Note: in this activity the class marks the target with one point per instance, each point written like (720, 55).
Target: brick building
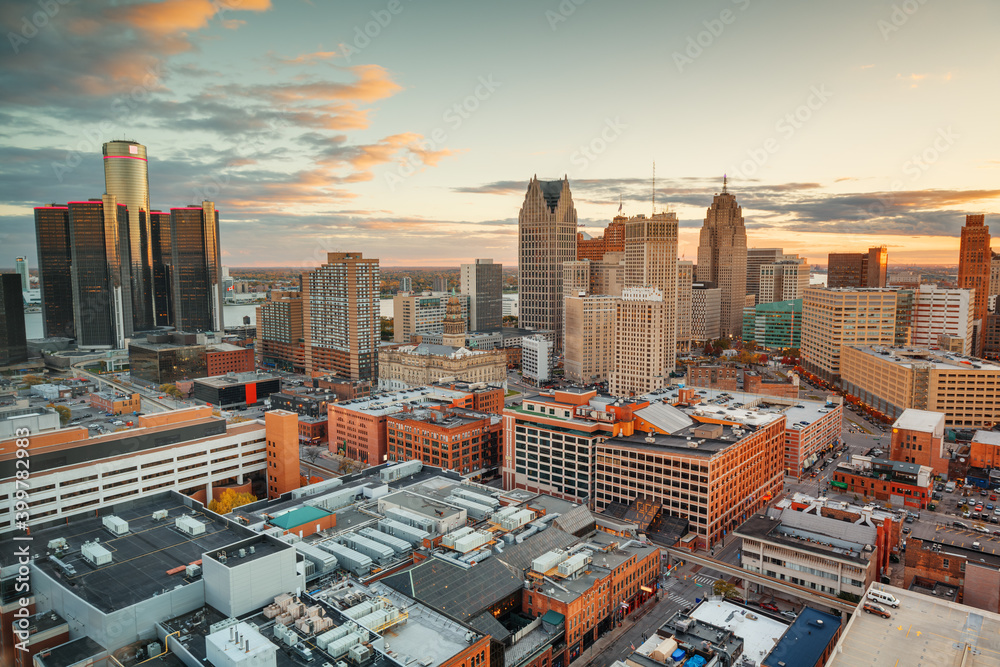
(755, 383)
(441, 438)
(713, 377)
(116, 403)
(886, 480)
(225, 358)
(280, 335)
(918, 437)
(955, 562)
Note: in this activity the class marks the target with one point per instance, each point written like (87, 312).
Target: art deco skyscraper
(651, 261)
(546, 230)
(974, 270)
(643, 346)
(101, 296)
(126, 178)
(340, 310)
(722, 258)
(196, 268)
(54, 278)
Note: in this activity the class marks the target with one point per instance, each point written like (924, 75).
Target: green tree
(726, 589)
(386, 328)
(850, 597)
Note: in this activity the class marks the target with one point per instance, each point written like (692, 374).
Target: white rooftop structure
(987, 437)
(758, 632)
(921, 420)
(665, 416)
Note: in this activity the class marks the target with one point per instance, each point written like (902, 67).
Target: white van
(883, 598)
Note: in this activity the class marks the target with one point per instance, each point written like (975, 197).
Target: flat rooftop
(737, 405)
(234, 379)
(392, 402)
(681, 441)
(911, 357)
(922, 631)
(140, 558)
(815, 534)
(920, 420)
(759, 632)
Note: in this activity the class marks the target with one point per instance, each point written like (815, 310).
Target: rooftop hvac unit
(450, 539)
(192, 571)
(359, 653)
(574, 564)
(96, 554)
(115, 525)
(189, 525)
(159, 515)
(57, 544)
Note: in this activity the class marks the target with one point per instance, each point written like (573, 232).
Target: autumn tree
(726, 589)
(171, 390)
(32, 380)
(229, 500)
(64, 414)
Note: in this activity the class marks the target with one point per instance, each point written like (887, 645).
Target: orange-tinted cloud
(178, 16)
(308, 58)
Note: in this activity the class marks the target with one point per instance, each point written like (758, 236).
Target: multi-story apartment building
(942, 312)
(546, 230)
(482, 281)
(685, 280)
(756, 258)
(722, 258)
(891, 380)
(537, 358)
(783, 280)
(904, 316)
(831, 549)
(774, 325)
(590, 337)
(833, 318)
(644, 347)
(858, 269)
(974, 262)
(418, 314)
(706, 312)
(713, 471)
(280, 332)
(340, 308)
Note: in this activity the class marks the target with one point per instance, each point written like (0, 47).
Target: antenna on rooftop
(654, 187)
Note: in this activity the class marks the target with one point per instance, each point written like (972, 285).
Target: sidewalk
(610, 638)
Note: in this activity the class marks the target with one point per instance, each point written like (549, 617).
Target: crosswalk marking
(673, 597)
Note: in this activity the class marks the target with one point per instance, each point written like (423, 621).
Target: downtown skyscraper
(126, 178)
(546, 230)
(55, 280)
(483, 282)
(974, 260)
(651, 261)
(722, 258)
(196, 268)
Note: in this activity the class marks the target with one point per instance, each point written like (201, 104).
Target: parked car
(981, 529)
(877, 609)
(768, 606)
(790, 615)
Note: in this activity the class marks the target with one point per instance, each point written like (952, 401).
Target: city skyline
(300, 141)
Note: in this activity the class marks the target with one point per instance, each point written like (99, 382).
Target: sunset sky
(408, 130)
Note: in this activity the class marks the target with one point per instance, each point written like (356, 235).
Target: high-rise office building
(706, 312)
(685, 278)
(995, 275)
(783, 280)
(576, 277)
(196, 268)
(163, 257)
(280, 337)
(756, 258)
(54, 277)
(722, 258)
(546, 229)
(422, 313)
(644, 348)
(13, 345)
(21, 268)
(126, 178)
(651, 261)
(607, 276)
(858, 269)
(974, 261)
(101, 294)
(482, 280)
(590, 337)
(613, 240)
(340, 309)
(833, 318)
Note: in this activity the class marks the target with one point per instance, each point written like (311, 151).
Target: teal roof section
(299, 516)
(553, 617)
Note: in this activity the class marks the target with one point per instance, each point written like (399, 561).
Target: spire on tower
(724, 180)
(654, 187)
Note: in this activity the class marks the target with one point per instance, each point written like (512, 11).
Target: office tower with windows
(55, 281)
(196, 268)
(858, 269)
(13, 345)
(163, 251)
(974, 261)
(722, 258)
(482, 281)
(651, 261)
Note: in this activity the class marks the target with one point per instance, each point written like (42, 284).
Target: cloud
(314, 58)
(178, 16)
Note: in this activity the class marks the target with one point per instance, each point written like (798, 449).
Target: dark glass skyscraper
(159, 227)
(13, 346)
(54, 279)
(102, 298)
(195, 268)
(126, 178)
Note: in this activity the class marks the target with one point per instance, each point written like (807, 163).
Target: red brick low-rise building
(885, 480)
(918, 437)
(755, 383)
(226, 358)
(116, 403)
(713, 377)
(439, 438)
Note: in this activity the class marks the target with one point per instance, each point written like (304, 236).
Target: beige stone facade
(706, 312)
(644, 350)
(894, 379)
(651, 262)
(784, 280)
(685, 278)
(417, 365)
(833, 318)
(590, 337)
(607, 276)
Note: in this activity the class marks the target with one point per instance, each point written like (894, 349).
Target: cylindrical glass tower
(126, 177)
